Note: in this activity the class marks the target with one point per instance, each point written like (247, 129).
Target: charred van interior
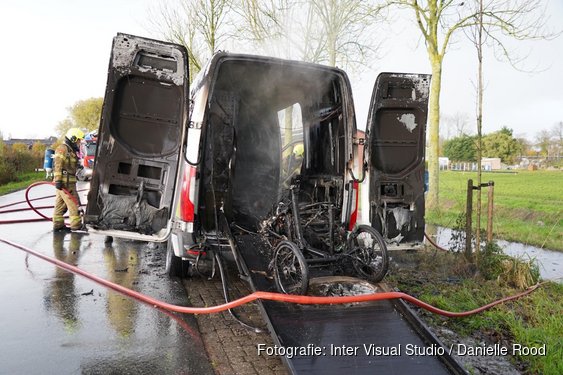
(270, 125)
(274, 164)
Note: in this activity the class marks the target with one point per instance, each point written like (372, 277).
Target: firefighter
(293, 164)
(66, 162)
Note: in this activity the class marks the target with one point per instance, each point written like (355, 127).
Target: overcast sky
(56, 52)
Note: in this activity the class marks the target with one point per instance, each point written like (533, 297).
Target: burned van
(260, 147)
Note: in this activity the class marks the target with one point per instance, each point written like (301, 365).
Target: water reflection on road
(122, 268)
(55, 322)
(60, 296)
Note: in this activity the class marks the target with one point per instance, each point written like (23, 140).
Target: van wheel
(173, 262)
(80, 175)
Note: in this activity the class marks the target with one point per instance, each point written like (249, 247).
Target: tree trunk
(432, 198)
(480, 89)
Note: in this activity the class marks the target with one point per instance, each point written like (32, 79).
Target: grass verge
(446, 281)
(527, 205)
(23, 181)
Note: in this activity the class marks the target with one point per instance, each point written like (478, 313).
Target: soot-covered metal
(268, 123)
(397, 129)
(140, 136)
(268, 147)
(276, 152)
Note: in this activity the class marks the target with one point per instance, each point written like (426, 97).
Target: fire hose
(434, 243)
(270, 296)
(259, 295)
(28, 200)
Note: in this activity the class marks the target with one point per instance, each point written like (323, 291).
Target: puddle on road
(54, 314)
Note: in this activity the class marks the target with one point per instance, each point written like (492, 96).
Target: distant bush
(19, 159)
(22, 158)
(7, 172)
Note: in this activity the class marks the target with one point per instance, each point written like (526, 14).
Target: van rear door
(140, 140)
(396, 147)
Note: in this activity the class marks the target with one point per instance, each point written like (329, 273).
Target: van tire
(173, 263)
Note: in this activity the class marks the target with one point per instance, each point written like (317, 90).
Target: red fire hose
(434, 243)
(46, 183)
(289, 298)
(31, 207)
(305, 300)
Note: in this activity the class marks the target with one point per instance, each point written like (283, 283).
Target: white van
(258, 144)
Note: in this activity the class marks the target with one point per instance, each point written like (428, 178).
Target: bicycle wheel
(291, 273)
(369, 253)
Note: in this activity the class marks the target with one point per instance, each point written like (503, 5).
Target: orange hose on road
(289, 298)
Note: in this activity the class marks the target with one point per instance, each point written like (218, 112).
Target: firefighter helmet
(298, 150)
(74, 134)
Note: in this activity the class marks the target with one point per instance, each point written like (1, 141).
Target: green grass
(528, 205)
(531, 321)
(23, 181)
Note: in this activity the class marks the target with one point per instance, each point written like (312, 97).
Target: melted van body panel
(397, 139)
(140, 139)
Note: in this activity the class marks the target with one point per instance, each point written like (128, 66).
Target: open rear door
(396, 147)
(140, 139)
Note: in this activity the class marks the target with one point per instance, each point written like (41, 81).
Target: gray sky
(56, 53)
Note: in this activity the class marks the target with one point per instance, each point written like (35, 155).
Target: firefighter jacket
(66, 164)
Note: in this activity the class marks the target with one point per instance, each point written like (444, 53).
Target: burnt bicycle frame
(287, 227)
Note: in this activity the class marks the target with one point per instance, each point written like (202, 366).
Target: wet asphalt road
(55, 322)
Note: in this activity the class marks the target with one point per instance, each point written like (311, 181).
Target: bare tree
(544, 142)
(282, 28)
(333, 32)
(202, 26)
(439, 20)
(456, 125)
(477, 35)
(346, 27)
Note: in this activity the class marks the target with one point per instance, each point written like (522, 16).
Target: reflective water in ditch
(550, 262)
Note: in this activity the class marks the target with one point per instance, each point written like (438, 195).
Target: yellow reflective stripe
(74, 219)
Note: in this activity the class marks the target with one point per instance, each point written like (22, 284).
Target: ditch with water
(550, 262)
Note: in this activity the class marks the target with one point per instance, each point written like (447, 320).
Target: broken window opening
(292, 148)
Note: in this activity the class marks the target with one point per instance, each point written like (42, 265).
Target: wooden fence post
(490, 211)
(468, 213)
